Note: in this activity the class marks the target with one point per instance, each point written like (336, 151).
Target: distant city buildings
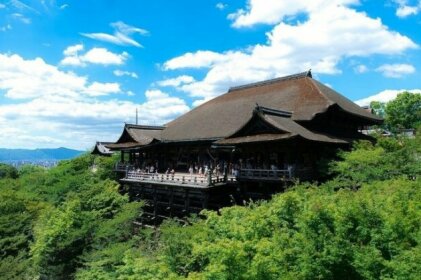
(42, 163)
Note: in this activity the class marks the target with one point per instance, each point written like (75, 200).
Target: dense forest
(363, 222)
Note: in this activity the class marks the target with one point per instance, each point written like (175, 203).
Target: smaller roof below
(134, 136)
(265, 137)
(281, 127)
(102, 149)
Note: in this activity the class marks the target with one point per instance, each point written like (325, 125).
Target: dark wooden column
(186, 201)
(205, 199)
(171, 201)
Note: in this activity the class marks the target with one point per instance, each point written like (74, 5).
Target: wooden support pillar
(141, 192)
(122, 156)
(186, 201)
(155, 206)
(171, 201)
(205, 199)
(210, 177)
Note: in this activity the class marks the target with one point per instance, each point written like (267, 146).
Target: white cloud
(199, 102)
(259, 12)
(21, 18)
(121, 36)
(331, 33)
(360, 69)
(73, 50)
(23, 79)
(384, 96)
(99, 89)
(64, 6)
(405, 9)
(199, 59)
(93, 56)
(120, 73)
(103, 56)
(19, 5)
(62, 108)
(395, 70)
(79, 123)
(175, 82)
(221, 6)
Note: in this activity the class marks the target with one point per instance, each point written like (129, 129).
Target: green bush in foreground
(306, 233)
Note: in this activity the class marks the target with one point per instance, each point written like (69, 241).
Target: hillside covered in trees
(364, 222)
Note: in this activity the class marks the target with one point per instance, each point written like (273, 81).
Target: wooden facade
(249, 143)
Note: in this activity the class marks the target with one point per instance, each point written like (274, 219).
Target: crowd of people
(216, 168)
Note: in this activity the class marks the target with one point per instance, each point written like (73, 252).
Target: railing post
(210, 178)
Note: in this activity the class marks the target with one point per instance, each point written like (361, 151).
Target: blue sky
(72, 72)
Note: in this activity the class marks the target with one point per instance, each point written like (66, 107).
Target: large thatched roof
(300, 94)
(288, 101)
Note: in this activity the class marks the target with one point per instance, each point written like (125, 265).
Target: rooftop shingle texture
(137, 136)
(144, 135)
(225, 114)
(287, 128)
(101, 149)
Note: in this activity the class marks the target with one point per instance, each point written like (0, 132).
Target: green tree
(8, 171)
(404, 111)
(378, 108)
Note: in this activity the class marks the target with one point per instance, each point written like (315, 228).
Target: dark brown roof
(254, 138)
(101, 149)
(136, 136)
(285, 128)
(225, 114)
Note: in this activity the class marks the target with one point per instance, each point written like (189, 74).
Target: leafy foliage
(404, 111)
(379, 108)
(388, 158)
(7, 171)
(71, 222)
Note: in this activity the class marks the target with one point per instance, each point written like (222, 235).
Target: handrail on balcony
(268, 174)
(180, 178)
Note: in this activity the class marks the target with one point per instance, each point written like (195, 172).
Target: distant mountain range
(37, 154)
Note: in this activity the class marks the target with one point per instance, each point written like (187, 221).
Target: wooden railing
(265, 174)
(180, 178)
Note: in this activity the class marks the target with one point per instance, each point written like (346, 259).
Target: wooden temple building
(246, 144)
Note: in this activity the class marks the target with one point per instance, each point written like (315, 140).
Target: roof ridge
(271, 81)
(139, 126)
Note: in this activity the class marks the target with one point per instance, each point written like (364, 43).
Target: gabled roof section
(101, 149)
(222, 116)
(346, 104)
(144, 133)
(137, 135)
(285, 128)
